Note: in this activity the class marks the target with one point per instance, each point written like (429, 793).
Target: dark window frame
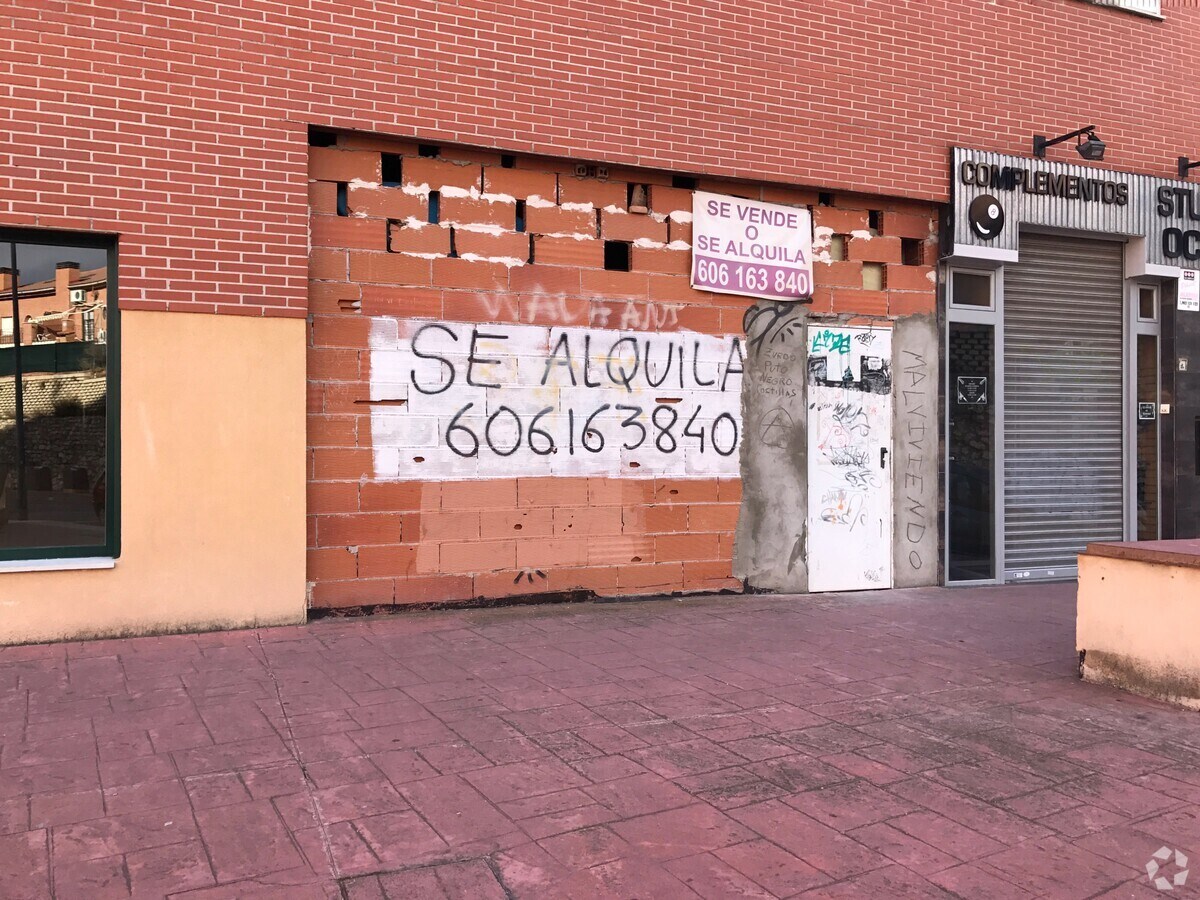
(111, 548)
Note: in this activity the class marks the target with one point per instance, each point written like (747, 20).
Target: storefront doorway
(1052, 380)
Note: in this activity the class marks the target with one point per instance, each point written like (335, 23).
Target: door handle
(883, 457)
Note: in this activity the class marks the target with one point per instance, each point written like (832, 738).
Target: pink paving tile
(90, 879)
(24, 866)
(451, 881)
(1051, 866)
(338, 848)
(145, 796)
(402, 766)
(623, 879)
(775, 869)
(14, 815)
(223, 789)
(163, 870)
(729, 788)
(638, 795)
(890, 882)
(849, 805)
(353, 801)
(681, 832)
(453, 757)
(586, 847)
(798, 772)
(902, 848)
(114, 835)
(1121, 797)
(973, 881)
(246, 840)
(1038, 804)
(817, 845)
(65, 808)
(946, 835)
(458, 812)
(501, 783)
(713, 879)
(861, 767)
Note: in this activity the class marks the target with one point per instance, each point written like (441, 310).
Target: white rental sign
(457, 400)
(751, 248)
(1189, 290)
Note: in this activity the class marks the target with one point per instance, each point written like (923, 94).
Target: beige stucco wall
(1140, 625)
(212, 488)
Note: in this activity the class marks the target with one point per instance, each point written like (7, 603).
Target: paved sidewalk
(907, 743)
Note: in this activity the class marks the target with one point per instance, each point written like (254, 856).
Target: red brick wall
(383, 542)
(181, 125)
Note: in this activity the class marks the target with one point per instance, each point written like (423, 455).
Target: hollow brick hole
(319, 137)
(837, 247)
(392, 169)
(429, 151)
(911, 251)
(874, 276)
(343, 198)
(873, 219)
(617, 255)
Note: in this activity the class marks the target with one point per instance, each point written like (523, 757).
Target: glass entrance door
(971, 502)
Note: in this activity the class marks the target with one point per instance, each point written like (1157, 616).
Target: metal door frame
(1131, 327)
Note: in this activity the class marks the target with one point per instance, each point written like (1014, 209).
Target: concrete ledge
(1138, 618)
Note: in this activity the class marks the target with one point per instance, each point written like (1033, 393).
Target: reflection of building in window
(63, 309)
(55, 423)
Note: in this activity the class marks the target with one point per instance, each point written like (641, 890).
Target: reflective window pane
(971, 289)
(1146, 304)
(53, 397)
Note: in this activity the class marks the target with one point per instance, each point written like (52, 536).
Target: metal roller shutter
(1063, 447)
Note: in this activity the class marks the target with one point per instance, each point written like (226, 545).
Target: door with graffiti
(849, 458)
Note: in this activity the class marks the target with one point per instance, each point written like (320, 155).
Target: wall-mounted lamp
(1092, 149)
(1185, 164)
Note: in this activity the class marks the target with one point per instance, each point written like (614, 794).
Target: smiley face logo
(986, 216)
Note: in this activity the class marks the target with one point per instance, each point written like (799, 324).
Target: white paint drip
(658, 217)
(681, 216)
(480, 227)
(422, 255)
(365, 185)
(861, 234)
(536, 201)
(416, 190)
(932, 276)
(648, 244)
(679, 245)
(509, 261)
(574, 235)
(822, 241)
(498, 198)
(610, 209)
(415, 223)
(577, 207)
(449, 190)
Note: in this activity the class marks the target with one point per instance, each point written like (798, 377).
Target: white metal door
(849, 458)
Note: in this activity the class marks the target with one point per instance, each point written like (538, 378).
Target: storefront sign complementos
(995, 194)
(751, 248)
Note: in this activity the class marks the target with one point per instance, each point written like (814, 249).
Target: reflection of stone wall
(59, 444)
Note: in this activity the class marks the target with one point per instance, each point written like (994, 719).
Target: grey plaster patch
(770, 549)
(916, 452)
